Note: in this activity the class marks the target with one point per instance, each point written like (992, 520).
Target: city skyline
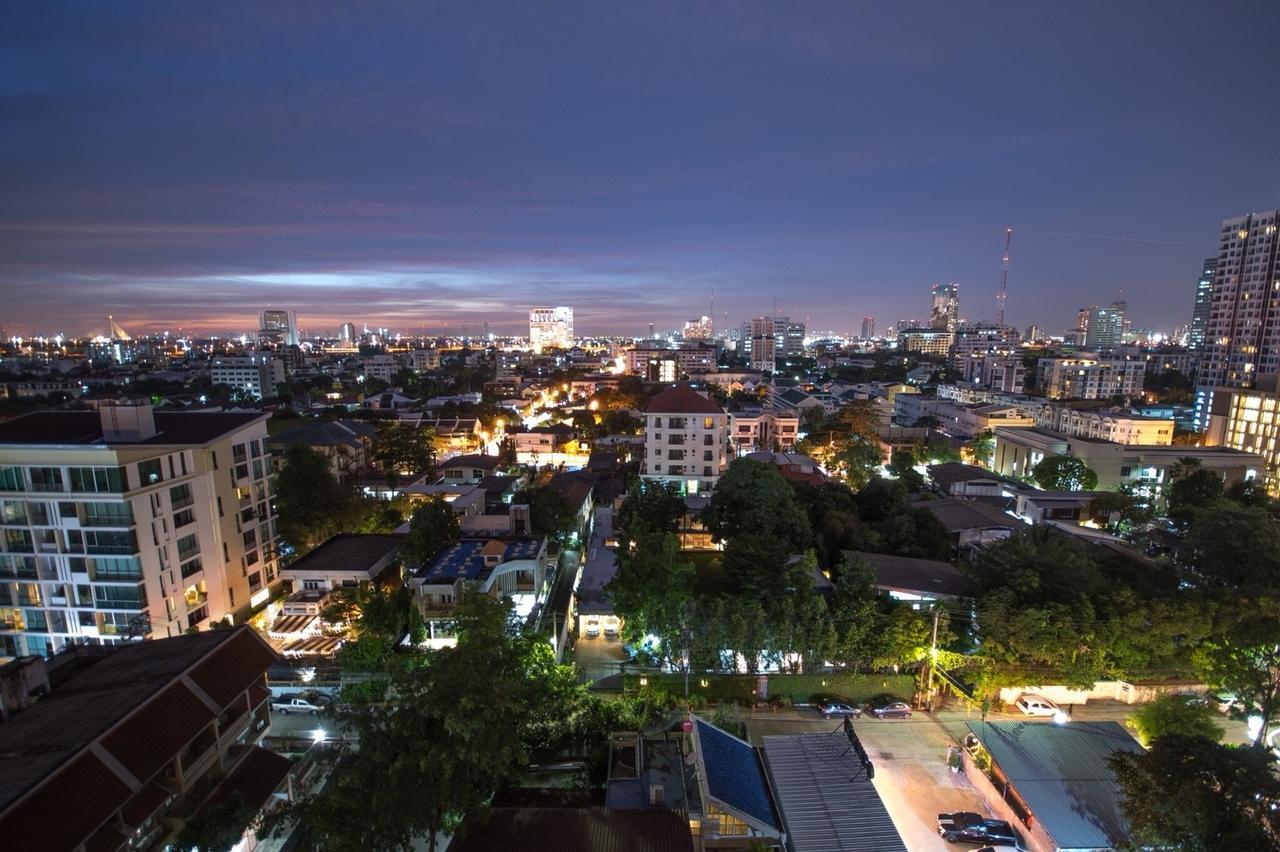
(454, 169)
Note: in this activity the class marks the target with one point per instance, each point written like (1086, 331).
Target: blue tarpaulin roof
(733, 774)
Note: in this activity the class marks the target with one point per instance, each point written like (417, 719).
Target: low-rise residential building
(955, 479)
(1147, 467)
(347, 560)
(686, 439)
(1115, 425)
(129, 745)
(762, 429)
(1056, 781)
(469, 469)
(1090, 377)
(126, 523)
(512, 566)
(346, 444)
(380, 367)
(906, 578)
(972, 523)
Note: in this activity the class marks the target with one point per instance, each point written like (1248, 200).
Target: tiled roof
(1061, 772)
(473, 460)
(733, 774)
(326, 434)
(949, 473)
(681, 399)
(957, 514)
(907, 574)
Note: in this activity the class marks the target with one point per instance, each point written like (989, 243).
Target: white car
(611, 629)
(1034, 705)
(285, 706)
(592, 629)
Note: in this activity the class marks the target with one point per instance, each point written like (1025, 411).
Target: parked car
(891, 710)
(592, 629)
(1000, 848)
(1227, 703)
(285, 706)
(836, 708)
(611, 629)
(1035, 705)
(969, 827)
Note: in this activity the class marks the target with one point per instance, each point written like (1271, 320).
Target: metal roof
(927, 576)
(1061, 772)
(828, 804)
(733, 774)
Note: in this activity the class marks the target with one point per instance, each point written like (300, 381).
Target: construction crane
(1004, 280)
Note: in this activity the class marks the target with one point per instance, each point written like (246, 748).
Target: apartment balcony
(234, 730)
(196, 762)
(195, 600)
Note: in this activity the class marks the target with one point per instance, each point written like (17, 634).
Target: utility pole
(926, 686)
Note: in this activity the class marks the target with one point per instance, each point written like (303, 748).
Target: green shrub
(852, 687)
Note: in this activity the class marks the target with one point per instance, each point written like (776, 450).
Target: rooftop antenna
(1004, 280)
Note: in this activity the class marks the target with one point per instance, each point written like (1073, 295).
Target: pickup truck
(285, 706)
(969, 827)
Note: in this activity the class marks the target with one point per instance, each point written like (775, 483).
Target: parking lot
(910, 763)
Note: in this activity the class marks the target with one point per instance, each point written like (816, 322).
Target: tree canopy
(1192, 794)
(1064, 473)
(432, 525)
(312, 504)
(754, 497)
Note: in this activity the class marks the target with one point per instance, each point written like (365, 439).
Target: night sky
(420, 165)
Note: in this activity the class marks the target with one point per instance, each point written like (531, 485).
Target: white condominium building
(685, 440)
(1090, 377)
(127, 524)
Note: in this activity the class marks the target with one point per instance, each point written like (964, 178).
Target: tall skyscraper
(788, 337)
(347, 332)
(1242, 334)
(868, 328)
(1203, 305)
(278, 327)
(945, 310)
(551, 328)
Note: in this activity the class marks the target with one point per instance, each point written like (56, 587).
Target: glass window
(11, 479)
(46, 479)
(188, 546)
(150, 472)
(97, 479)
(180, 496)
(13, 512)
(109, 542)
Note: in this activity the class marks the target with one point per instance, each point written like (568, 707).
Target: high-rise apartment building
(1104, 327)
(788, 338)
(1203, 306)
(760, 343)
(125, 523)
(868, 328)
(279, 327)
(551, 328)
(944, 312)
(685, 440)
(1242, 335)
(256, 375)
(347, 332)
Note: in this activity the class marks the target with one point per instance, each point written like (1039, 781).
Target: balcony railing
(234, 730)
(193, 769)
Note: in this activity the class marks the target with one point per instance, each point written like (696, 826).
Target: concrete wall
(1036, 839)
(1114, 690)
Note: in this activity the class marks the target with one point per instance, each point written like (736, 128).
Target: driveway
(910, 762)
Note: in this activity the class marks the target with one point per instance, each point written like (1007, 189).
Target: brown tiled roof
(82, 797)
(681, 399)
(158, 730)
(241, 662)
(257, 777)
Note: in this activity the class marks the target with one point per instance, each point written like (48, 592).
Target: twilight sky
(418, 165)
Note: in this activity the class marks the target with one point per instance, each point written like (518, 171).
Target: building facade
(944, 308)
(1090, 377)
(868, 328)
(1114, 425)
(126, 524)
(1104, 327)
(278, 327)
(551, 328)
(763, 429)
(926, 341)
(1203, 306)
(686, 440)
(1242, 336)
(1248, 419)
(254, 375)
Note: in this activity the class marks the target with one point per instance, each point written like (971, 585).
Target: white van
(1034, 705)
